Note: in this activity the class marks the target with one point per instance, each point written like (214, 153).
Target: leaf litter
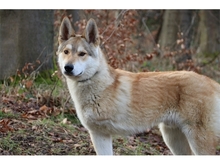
(28, 126)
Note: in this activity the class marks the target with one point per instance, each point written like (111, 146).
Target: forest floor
(35, 123)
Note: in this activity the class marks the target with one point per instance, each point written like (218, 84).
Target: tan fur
(108, 101)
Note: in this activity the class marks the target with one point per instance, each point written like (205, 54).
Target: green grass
(134, 146)
(7, 115)
(7, 144)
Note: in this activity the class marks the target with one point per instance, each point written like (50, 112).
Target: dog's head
(78, 55)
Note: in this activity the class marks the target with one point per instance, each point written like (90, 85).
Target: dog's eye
(66, 51)
(82, 53)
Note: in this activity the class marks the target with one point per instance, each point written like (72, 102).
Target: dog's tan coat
(108, 101)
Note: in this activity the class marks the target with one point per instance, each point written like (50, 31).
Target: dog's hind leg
(175, 140)
(202, 141)
(102, 143)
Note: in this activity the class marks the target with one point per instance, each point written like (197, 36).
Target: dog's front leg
(102, 143)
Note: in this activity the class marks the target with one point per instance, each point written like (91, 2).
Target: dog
(185, 105)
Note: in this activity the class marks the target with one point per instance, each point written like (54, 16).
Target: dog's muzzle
(69, 70)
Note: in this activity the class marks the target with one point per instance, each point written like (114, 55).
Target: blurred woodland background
(37, 116)
(135, 40)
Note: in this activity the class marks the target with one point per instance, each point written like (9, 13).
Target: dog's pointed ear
(66, 30)
(91, 32)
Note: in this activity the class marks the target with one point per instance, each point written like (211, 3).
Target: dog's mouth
(79, 74)
(72, 74)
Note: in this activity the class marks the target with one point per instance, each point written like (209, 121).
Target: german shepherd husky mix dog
(108, 101)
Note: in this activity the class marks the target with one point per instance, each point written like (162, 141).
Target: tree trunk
(208, 36)
(25, 36)
(8, 42)
(169, 29)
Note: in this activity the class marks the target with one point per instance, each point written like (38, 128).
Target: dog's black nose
(68, 68)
